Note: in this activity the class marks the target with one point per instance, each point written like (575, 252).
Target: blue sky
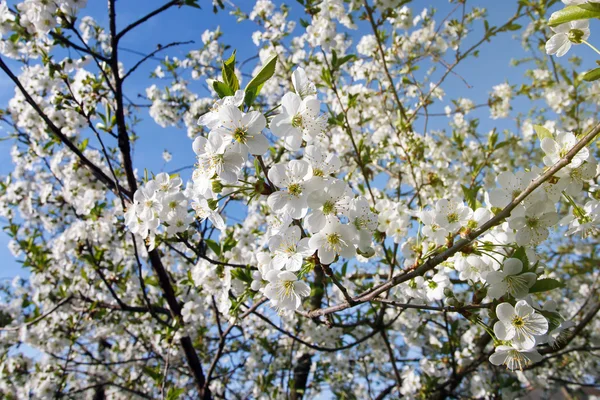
(491, 68)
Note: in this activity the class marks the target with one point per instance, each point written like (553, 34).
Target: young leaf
(254, 86)
(192, 3)
(175, 393)
(222, 89)
(542, 132)
(228, 73)
(214, 246)
(590, 6)
(470, 195)
(592, 75)
(545, 285)
(573, 13)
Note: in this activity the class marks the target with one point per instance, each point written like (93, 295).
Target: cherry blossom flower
(323, 164)
(289, 249)
(452, 214)
(532, 228)
(514, 358)
(327, 204)
(179, 221)
(473, 268)
(334, 239)
(364, 221)
(556, 149)
(431, 229)
(573, 179)
(285, 290)
(211, 119)
(565, 35)
(167, 184)
(510, 280)
(511, 185)
(519, 324)
(215, 156)
(203, 211)
(434, 288)
(298, 121)
(146, 202)
(295, 178)
(245, 130)
(302, 85)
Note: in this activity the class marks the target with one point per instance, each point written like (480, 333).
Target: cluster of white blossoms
(345, 203)
(159, 202)
(316, 218)
(302, 189)
(39, 16)
(504, 274)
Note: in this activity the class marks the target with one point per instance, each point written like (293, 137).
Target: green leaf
(336, 62)
(545, 285)
(254, 86)
(470, 195)
(84, 144)
(214, 246)
(590, 6)
(345, 59)
(592, 75)
(222, 89)
(344, 268)
(228, 73)
(242, 274)
(192, 3)
(542, 132)
(175, 393)
(574, 13)
(155, 375)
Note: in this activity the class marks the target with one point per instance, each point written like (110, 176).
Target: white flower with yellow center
(363, 221)
(299, 120)
(323, 164)
(557, 148)
(514, 358)
(452, 214)
(511, 185)
(211, 118)
(566, 35)
(327, 204)
(289, 249)
(519, 324)
(285, 290)
(294, 178)
(244, 129)
(216, 157)
(532, 228)
(334, 239)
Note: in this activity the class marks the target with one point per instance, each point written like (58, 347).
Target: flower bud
(369, 252)
(260, 187)
(217, 186)
(213, 204)
(452, 302)
(379, 237)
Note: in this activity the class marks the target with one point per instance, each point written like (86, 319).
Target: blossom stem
(591, 46)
